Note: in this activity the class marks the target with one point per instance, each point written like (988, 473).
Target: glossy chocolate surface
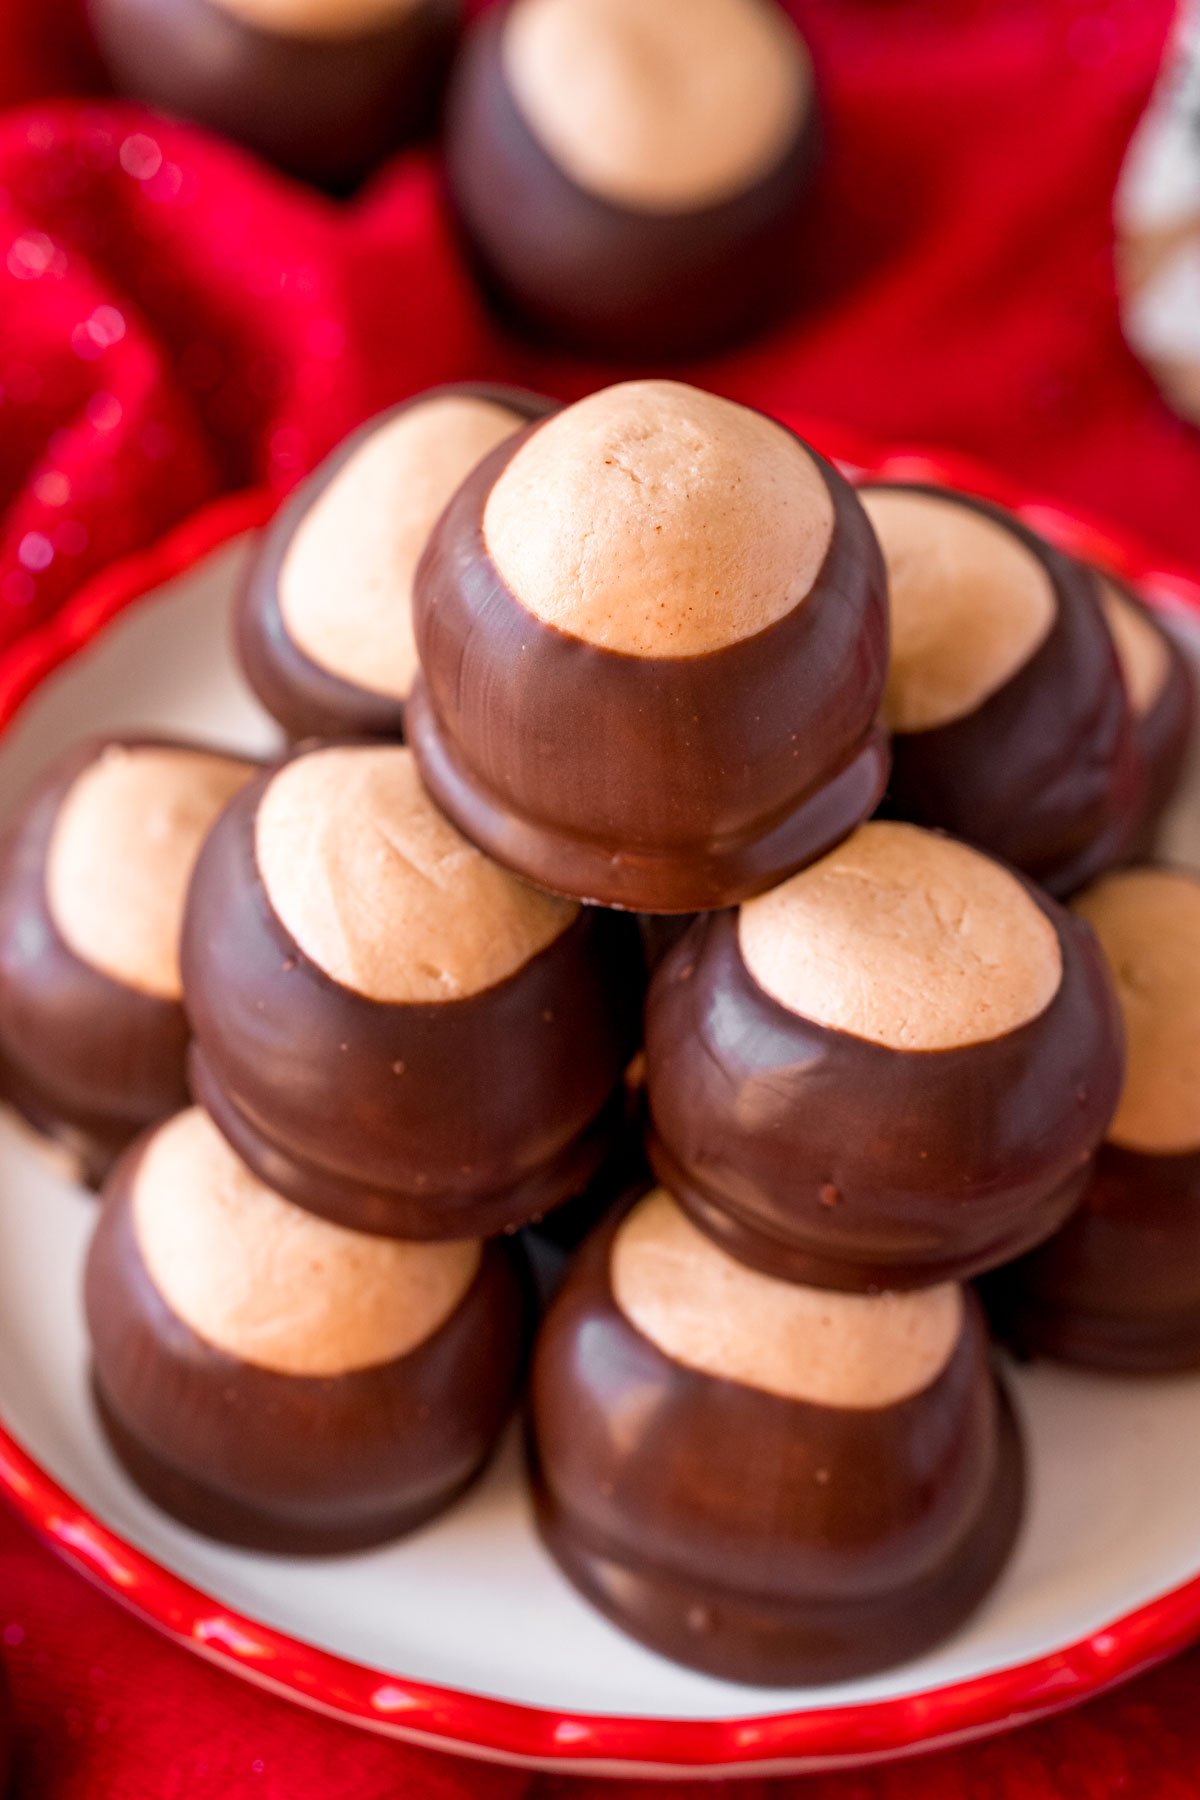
(295, 1463)
(1119, 1286)
(1045, 774)
(325, 109)
(820, 1157)
(623, 1176)
(721, 773)
(307, 699)
(566, 264)
(756, 1538)
(452, 1119)
(1164, 732)
(88, 1060)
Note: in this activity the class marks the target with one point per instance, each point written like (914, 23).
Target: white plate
(472, 1605)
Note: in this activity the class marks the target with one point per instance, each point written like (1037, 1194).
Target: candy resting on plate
(1119, 1286)
(1011, 724)
(769, 1482)
(891, 1070)
(324, 88)
(652, 632)
(324, 621)
(1162, 693)
(94, 868)
(280, 1382)
(392, 1030)
(632, 179)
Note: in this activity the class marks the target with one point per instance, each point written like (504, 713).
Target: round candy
(1011, 724)
(890, 1070)
(324, 621)
(1162, 693)
(278, 1381)
(652, 637)
(763, 1480)
(632, 178)
(1119, 1286)
(391, 1029)
(94, 871)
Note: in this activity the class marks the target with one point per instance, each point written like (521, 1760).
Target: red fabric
(176, 321)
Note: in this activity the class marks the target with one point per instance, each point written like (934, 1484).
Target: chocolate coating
(1164, 730)
(604, 278)
(307, 699)
(456, 1118)
(1119, 1286)
(88, 1060)
(821, 1157)
(724, 771)
(325, 109)
(292, 1463)
(1045, 774)
(864, 1536)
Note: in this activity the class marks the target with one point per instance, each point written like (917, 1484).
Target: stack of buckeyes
(550, 675)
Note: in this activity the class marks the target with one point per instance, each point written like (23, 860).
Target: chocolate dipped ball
(1162, 693)
(1119, 1286)
(390, 1029)
(324, 88)
(889, 1071)
(632, 179)
(94, 869)
(324, 623)
(767, 1481)
(652, 632)
(1011, 725)
(278, 1381)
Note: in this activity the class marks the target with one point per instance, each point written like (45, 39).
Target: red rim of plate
(504, 1730)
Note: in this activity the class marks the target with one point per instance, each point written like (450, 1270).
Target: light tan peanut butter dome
(659, 106)
(379, 890)
(703, 1309)
(319, 19)
(906, 939)
(657, 520)
(274, 1285)
(1148, 923)
(345, 582)
(970, 605)
(121, 855)
(1141, 649)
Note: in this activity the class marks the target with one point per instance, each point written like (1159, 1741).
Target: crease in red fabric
(177, 321)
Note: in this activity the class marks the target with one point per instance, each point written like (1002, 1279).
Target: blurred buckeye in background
(766, 1481)
(632, 178)
(653, 634)
(277, 1381)
(390, 1029)
(1119, 1286)
(324, 88)
(324, 622)
(1011, 725)
(891, 1070)
(1161, 689)
(94, 869)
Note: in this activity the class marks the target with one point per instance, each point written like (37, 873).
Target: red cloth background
(176, 321)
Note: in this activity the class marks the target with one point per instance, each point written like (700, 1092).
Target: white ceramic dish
(466, 1635)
